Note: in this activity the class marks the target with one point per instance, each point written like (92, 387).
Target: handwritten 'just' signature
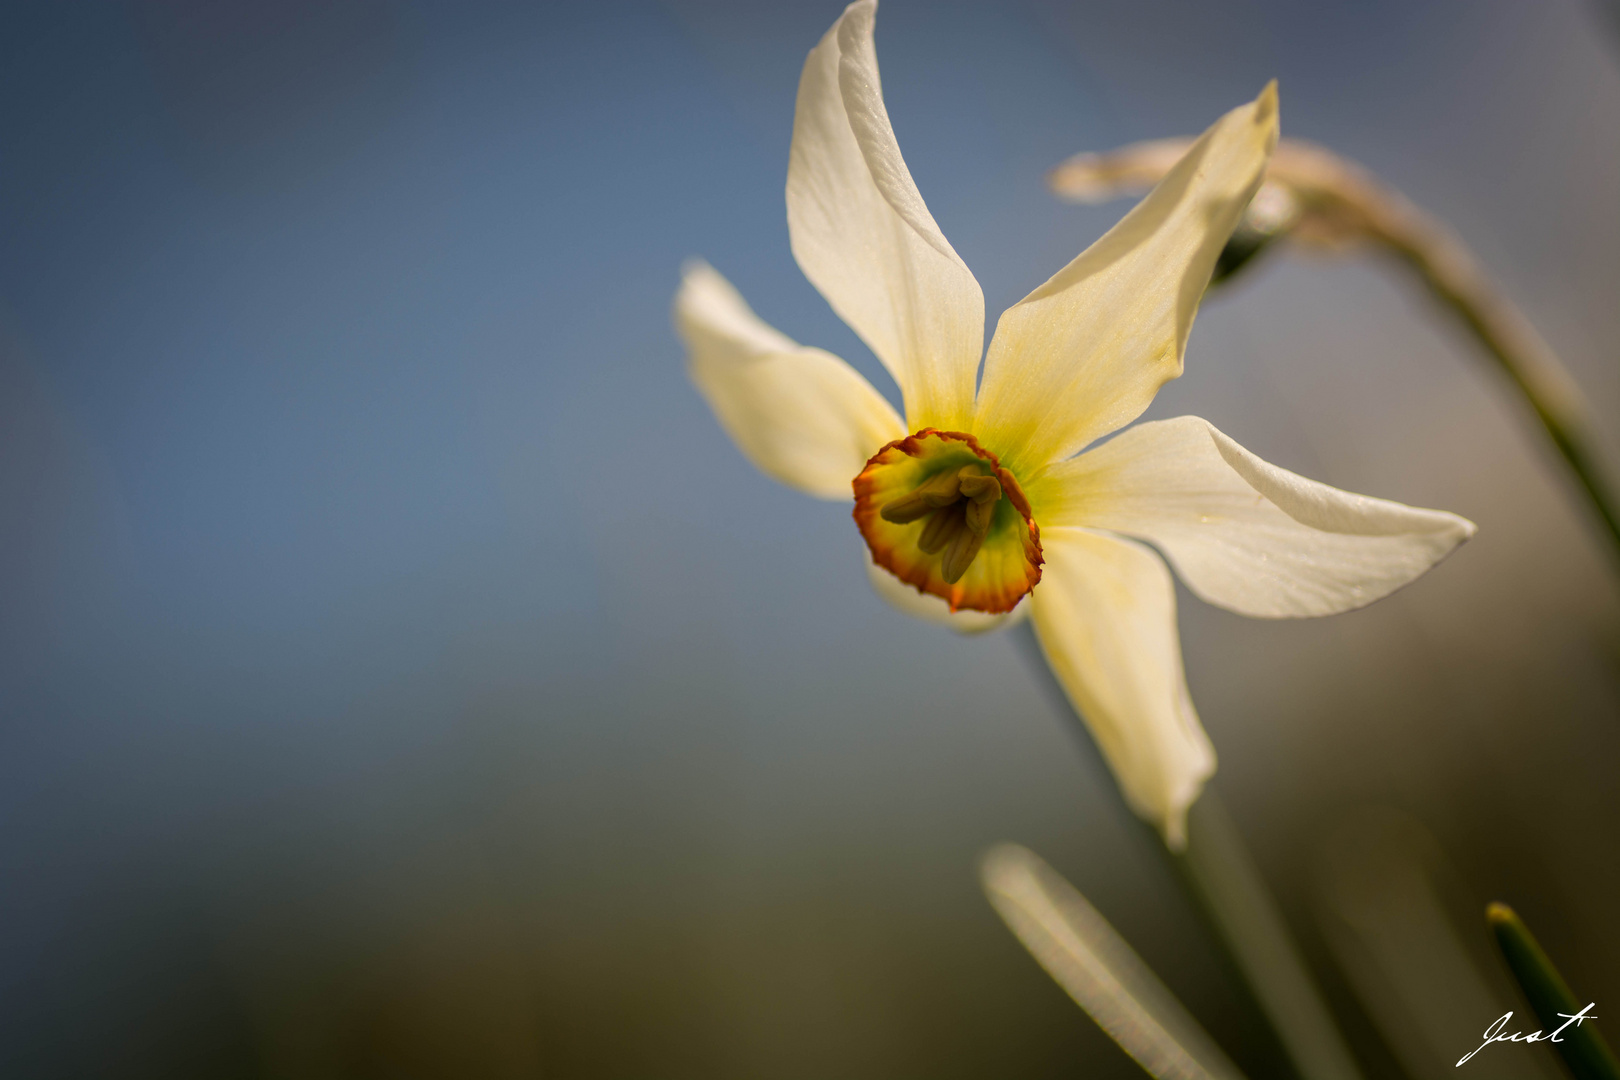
(1493, 1034)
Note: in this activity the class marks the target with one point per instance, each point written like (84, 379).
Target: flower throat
(939, 512)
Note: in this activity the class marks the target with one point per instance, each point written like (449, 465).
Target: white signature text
(1493, 1034)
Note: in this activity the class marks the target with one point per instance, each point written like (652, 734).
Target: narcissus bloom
(980, 507)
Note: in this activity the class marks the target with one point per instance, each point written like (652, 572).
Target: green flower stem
(1579, 1044)
(1448, 271)
(1222, 874)
(1226, 885)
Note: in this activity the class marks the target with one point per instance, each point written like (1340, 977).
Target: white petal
(930, 608)
(1243, 534)
(1084, 354)
(801, 415)
(1105, 613)
(864, 238)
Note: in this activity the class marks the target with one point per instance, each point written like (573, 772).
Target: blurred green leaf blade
(1581, 1046)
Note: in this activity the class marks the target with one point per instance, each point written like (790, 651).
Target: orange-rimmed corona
(939, 512)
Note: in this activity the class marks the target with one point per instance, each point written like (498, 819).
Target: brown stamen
(959, 556)
(941, 529)
(983, 492)
(941, 490)
(962, 504)
(978, 516)
(906, 509)
(979, 488)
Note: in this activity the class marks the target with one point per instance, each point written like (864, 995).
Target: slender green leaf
(1573, 1036)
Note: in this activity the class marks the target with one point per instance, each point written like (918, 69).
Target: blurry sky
(401, 674)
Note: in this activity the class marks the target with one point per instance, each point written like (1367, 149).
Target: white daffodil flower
(974, 502)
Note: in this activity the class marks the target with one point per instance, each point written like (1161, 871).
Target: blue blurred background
(401, 675)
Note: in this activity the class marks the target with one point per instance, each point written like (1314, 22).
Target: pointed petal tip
(856, 25)
(695, 266)
(691, 271)
(1456, 527)
(862, 11)
(702, 285)
(1266, 110)
(1266, 103)
(704, 296)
